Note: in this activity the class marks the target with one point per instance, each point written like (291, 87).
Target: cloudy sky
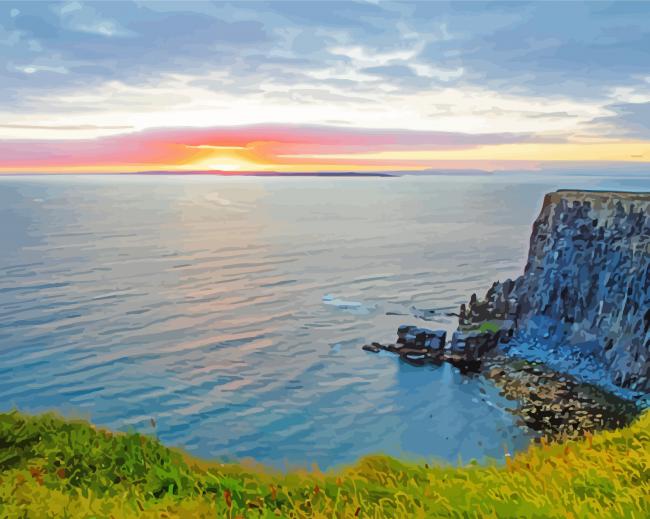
(303, 86)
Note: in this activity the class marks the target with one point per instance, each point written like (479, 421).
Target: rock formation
(583, 302)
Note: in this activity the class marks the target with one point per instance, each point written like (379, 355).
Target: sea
(226, 315)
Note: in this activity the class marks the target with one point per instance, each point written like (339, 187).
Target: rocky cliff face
(583, 302)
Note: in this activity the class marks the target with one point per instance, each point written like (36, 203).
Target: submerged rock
(426, 314)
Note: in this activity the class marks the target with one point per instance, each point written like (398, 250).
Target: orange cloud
(299, 148)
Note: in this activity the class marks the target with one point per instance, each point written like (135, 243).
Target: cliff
(583, 302)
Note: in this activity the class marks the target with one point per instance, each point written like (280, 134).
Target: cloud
(515, 46)
(85, 18)
(34, 69)
(574, 49)
(368, 64)
(630, 120)
(263, 144)
(63, 127)
(104, 42)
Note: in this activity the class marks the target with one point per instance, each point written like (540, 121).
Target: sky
(322, 86)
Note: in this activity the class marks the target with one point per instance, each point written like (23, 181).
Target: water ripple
(128, 307)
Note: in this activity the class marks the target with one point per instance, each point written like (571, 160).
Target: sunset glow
(293, 149)
(235, 88)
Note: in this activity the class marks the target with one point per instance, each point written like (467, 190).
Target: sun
(225, 167)
(223, 158)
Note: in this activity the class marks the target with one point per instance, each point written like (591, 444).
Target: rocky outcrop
(474, 344)
(415, 345)
(583, 302)
(419, 346)
(416, 337)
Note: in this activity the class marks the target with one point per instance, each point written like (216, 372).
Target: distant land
(445, 172)
(274, 173)
(431, 172)
(553, 168)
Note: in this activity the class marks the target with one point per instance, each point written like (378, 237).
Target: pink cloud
(266, 144)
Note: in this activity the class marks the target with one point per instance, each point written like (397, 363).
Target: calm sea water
(232, 310)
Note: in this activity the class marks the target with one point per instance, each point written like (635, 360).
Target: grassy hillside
(50, 467)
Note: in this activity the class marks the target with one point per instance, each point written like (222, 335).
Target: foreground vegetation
(50, 467)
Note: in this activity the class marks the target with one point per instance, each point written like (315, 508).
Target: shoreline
(552, 404)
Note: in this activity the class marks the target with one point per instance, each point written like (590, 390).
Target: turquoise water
(233, 310)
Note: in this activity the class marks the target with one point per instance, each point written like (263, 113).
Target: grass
(489, 326)
(50, 467)
(485, 326)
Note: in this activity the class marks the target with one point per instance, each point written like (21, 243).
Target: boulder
(416, 337)
(472, 345)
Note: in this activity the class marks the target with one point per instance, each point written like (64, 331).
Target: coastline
(552, 404)
(555, 404)
(566, 338)
(47, 461)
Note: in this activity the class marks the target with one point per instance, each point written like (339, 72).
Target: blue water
(232, 310)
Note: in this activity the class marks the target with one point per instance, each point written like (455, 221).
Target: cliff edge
(583, 302)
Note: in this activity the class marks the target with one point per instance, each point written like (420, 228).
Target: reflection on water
(233, 309)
